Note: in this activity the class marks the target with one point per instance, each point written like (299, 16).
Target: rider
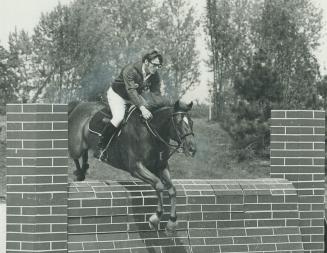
(130, 87)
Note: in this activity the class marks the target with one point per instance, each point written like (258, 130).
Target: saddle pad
(97, 123)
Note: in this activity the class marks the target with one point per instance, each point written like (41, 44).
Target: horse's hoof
(80, 178)
(154, 222)
(171, 228)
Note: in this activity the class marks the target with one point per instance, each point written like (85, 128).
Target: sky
(25, 14)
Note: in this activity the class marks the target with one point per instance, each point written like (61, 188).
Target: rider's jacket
(130, 84)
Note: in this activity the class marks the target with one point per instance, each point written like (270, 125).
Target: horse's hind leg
(80, 175)
(145, 175)
(85, 164)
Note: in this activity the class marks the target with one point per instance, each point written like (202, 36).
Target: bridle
(181, 138)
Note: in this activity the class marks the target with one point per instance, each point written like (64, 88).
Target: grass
(214, 159)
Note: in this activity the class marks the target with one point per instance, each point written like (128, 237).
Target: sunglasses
(158, 65)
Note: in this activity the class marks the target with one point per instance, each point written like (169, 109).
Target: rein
(155, 133)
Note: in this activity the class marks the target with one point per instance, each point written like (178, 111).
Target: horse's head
(182, 128)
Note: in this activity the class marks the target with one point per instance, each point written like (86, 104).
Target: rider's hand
(145, 112)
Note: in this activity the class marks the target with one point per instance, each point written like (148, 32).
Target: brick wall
(298, 154)
(280, 214)
(36, 178)
(214, 216)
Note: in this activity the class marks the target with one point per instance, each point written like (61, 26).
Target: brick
(277, 161)
(14, 108)
(231, 232)
(14, 126)
(60, 179)
(35, 210)
(297, 122)
(112, 227)
(59, 227)
(277, 145)
(13, 246)
(278, 114)
(203, 232)
(202, 224)
(297, 153)
(28, 135)
(14, 210)
(27, 170)
(275, 238)
(234, 248)
(297, 138)
(36, 117)
(60, 143)
(259, 231)
(60, 125)
(14, 180)
(60, 108)
(289, 246)
(14, 144)
(46, 228)
(36, 153)
(37, 126)
(271, 223)
(231, 224)
(14, 162)
(60, 161)
(43, 162)
(304, 114)
(299, 145)
(37, 144)
(286, 230)
(262, 247)
(90, 228)
(319, 161)
(277, 130)
(36, 246)
(298, 161)
(300, 130)
(59, 245)
(319, 114)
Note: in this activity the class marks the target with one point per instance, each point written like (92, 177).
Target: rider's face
(153, 65)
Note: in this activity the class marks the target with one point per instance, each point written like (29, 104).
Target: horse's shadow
(154, 239)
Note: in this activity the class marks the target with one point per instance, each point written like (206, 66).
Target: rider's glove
(145, 112)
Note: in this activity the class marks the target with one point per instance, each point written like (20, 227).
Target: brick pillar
(37, 174)
(298, 154)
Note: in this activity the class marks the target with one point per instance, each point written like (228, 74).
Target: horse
(142, 148)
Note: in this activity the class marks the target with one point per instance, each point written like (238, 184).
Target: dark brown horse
(142, 148)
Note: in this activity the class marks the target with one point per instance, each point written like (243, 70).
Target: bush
(247, 124)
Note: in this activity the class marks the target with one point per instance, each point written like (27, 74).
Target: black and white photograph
(163, 126)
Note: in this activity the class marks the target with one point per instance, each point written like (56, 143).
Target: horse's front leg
(172, 222)
(145, 175)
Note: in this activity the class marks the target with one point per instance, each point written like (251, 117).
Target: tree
(227, 27)
(7, 79)
(289, 31)
(176, 30)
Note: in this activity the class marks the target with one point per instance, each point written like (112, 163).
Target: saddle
(101, 118)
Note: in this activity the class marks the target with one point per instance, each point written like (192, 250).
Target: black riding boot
(104, 139)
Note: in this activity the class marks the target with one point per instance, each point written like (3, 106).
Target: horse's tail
(72, 105)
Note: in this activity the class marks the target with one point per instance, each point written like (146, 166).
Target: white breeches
(117, 106)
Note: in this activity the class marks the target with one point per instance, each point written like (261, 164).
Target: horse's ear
(177, 105)
(190, 105)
